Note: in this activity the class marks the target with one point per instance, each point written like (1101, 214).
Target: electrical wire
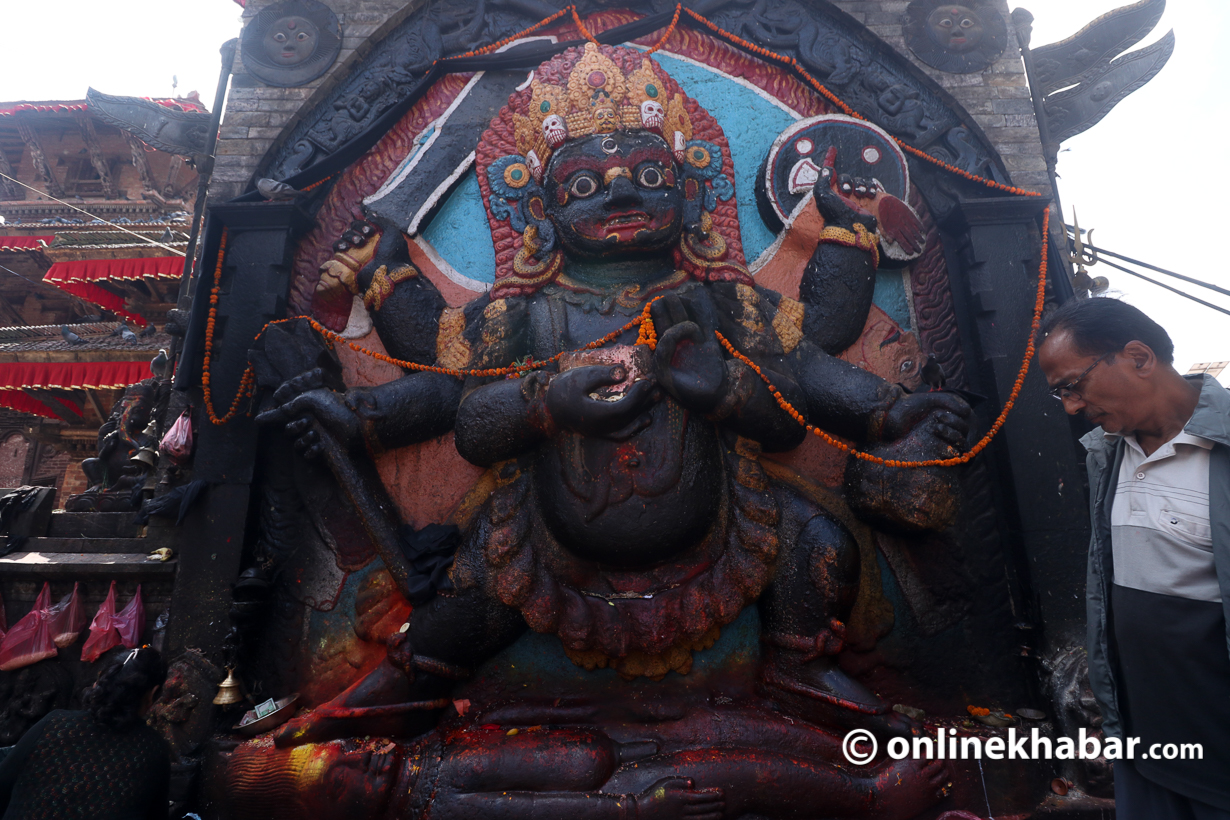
(1129, 259)
(93, 216)
(1167, 287)
(15, 273)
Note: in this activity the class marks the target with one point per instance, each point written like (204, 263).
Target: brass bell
(229, 692)
(148, 454)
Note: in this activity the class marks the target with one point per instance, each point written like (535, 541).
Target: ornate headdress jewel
(599, 97)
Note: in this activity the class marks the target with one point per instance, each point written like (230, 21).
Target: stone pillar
(1040, 464)
(255, 280)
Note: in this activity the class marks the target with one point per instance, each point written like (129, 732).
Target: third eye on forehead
(600, 165)
(588, 154)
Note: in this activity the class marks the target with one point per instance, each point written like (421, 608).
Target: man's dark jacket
(1211, 420)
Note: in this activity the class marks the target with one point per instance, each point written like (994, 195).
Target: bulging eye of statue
(650, 176)
(584, 184)
(946, 22)
(280, 37)
(303, 35)
(967, 23)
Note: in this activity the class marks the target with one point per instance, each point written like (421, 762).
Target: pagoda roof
(8, 109)
(17, 343)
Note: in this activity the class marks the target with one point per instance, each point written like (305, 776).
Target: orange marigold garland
(496, 46)
(964, 458)
(248, 381)
(669, 30)
(846, 109)
(581, 26)
(647, 335)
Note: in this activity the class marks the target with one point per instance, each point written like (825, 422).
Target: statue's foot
(403, 720)
(907, 788)
(821, 693)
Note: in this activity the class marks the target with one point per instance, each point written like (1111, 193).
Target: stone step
(128, 546)
(77, 565)
(93, 525)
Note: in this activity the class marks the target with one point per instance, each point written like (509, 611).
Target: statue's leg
(773, 785)
(93, 469)
(556, 774)
(803, 615)
(402, 697)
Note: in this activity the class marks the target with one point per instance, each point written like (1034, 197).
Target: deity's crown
(598, 96)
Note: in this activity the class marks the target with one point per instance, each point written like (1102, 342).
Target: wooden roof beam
(92, 397)
(90, 137)
(9, 190)
(39, 159)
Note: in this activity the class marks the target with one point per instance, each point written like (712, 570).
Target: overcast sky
(1139, 177)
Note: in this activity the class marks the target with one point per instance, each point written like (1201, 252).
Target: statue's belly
(635, 502)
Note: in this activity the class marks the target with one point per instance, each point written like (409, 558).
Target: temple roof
(8, 109)
(97, 336)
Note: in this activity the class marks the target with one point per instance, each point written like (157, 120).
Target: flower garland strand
(248, 381)
(247, 384)
(969, 455)
(669, 30)
(581, 26)
(512, 38)
(647, 335)
(846, 109)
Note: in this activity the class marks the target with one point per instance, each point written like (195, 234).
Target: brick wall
(13, 452)
(72, 483)
(257, 114)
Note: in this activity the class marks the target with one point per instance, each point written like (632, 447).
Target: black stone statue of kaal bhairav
(630, 515)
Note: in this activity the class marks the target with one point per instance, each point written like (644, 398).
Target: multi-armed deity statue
(625, 380)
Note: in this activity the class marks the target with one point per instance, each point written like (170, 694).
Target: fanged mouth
(627, 220)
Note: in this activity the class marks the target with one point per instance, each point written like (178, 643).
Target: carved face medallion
(956, 28)
(614, 196)
(291, 40)
(957, 37)
(291, 43)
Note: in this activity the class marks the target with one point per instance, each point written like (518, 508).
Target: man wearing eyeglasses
(1159, 560)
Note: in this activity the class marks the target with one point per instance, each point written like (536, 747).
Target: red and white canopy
(82, 279)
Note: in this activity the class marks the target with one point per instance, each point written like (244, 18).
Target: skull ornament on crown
(603, 90)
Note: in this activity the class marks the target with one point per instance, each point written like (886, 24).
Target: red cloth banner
(80, 279)
(16, 376)
(24, 243)
(71, 375)
(103, 298)
(16, 400)
(95, 270)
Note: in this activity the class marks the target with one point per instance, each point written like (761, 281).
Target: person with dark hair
(1158, 590)
(102, 763)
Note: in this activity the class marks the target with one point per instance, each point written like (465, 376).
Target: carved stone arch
(383, 79)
